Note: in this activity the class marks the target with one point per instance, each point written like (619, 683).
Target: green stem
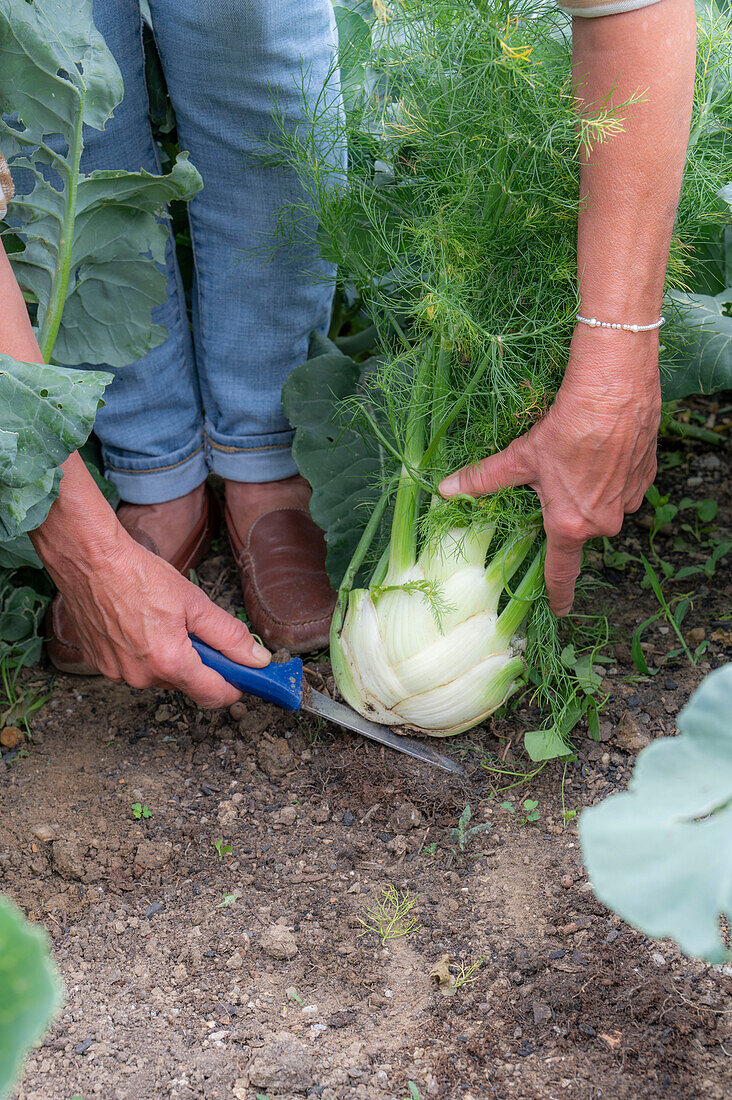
(440, 397)
(439, 434)
(403, 542)
(359, 342)
(507, 560)
(62, 272)
(692, 431)
(514, 614)
(360, 553)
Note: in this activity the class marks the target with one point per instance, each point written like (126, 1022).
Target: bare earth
(174, 994)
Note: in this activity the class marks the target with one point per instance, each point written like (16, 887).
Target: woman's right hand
(133, 612)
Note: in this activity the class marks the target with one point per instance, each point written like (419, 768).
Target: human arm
(592, 456)
(133, 611)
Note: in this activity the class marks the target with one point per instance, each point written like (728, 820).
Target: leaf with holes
(93, 244)
(660, 854)
(47, 413)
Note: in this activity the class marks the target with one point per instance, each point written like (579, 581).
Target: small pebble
(11, 737)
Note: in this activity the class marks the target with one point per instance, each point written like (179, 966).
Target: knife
(283, 684)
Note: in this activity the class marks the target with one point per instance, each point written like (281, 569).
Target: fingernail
(450, 485)
(260, 652)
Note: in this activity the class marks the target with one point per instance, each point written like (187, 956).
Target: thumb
(498, 471)
(224, 632)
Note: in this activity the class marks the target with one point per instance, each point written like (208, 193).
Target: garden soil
(196, 972)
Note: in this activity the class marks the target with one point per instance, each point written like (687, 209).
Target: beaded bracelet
(594, 323)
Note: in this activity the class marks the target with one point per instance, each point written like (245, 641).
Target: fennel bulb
(428, 648)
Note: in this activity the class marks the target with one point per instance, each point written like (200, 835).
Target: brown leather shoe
(62, 645)
(280, 553)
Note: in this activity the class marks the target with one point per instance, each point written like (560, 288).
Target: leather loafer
(287, 594)
(62, 646)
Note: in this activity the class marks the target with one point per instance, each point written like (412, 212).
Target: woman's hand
(591, 457)
(133, 611)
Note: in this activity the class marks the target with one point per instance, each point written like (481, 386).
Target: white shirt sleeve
(591, 9)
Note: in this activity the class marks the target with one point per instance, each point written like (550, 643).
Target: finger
(201, 684)
(224, 632)
(499, 471)
(561, 569)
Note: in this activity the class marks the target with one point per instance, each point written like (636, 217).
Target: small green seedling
(430, 849)
(222, 849)
(140, 812)
(391, 918)
(530, 812)
(413, 1091)
(466, 975)
(229, 900)
(465, 832)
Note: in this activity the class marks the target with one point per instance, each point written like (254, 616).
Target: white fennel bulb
(428, 648)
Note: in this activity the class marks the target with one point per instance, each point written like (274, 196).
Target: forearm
(16, 333)
(630, 184)
(81, 530)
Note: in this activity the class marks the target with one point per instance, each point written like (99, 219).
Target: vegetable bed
(567, 1001)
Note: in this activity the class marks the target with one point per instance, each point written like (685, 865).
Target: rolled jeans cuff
(155, 480)
(259, 458)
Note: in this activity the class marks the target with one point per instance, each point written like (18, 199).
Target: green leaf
(636, 649)
(342, 466)
(18, 553)
(660, 854)
(30, 990)
(707, 510)
(73, 71)
(93, 244)
(119, 241)
(47, 413)
(704, 360)
(21, 612)
(546, 744)
(354, 44)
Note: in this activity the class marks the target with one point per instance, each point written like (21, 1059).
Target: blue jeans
(210, 399)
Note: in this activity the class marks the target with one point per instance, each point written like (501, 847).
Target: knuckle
(612, 526)
(166, 669)
(571, 529)
(139, 678)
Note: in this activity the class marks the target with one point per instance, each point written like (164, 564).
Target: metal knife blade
(319, 704)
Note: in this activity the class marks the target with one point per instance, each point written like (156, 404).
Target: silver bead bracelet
(594, 323)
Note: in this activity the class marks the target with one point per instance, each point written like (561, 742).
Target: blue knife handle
(280, 684)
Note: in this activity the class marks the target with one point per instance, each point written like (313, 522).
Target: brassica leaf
(704, 360)
(341, 464)
(93, 244)
(660, 854)
(48, 412)
(30, 990)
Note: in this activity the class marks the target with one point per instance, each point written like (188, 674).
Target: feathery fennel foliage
(455, 229)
